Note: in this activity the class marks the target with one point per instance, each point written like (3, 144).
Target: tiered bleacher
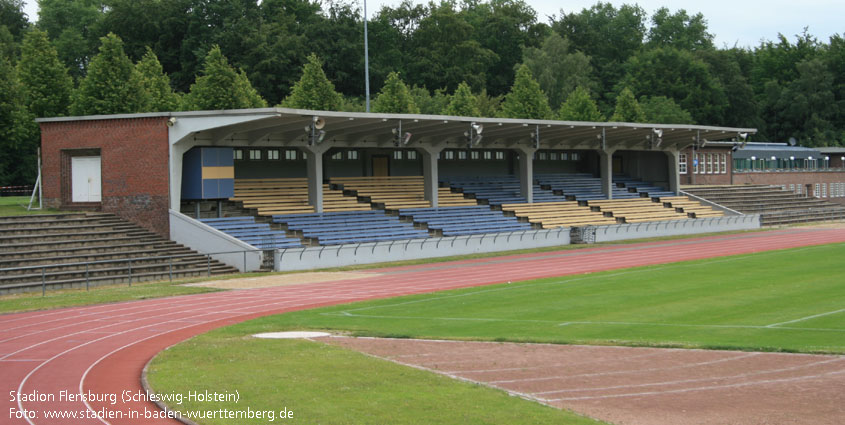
(775, 205)
(689, 206)
(470, 220)
(641, 188)
(59, 245)
(498, 190)
(349, 227)
(397, 192)
(259, 235)
(636, 210)
(580, 187)
(289, 196)
(559, 214)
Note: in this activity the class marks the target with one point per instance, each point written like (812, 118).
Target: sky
(743, 23)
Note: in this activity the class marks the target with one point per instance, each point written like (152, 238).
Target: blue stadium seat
(259, 235)
(497, 190)
(349, 227)
(457, 221)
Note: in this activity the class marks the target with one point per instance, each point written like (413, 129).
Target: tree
(680, 76)
(13, 18)
(112, 85)
(580, 106)
(429, 103)
(488, 106)
(444, 53)
(395, 97)
(662, 110)
(679, 30)
(463, 103)
(18, 132)
(627, 108)
(47, 87)
(157, 84)
(74, 26)
(557, 70)
(742, 108)
(313, 90)
(221, 87)
(608, 36)
(526, 99)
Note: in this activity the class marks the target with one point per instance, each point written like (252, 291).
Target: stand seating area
(641, 188)
(580, 187)
(348, 227)
(289, 196)
(397, 192)
(775, 205)
(498, 190)
(636, 210)
(56, 248)
(259, 235)
(558, 214)
(458, 221)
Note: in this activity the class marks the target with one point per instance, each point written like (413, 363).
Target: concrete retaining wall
(654, 229)
(208, 240)
(377, 252)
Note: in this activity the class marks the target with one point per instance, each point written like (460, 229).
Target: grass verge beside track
(16, 205)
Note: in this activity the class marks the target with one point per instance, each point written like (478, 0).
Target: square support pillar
(606, 170)
(314, 165)
(526, 172)
(431, 174)
(674, 171)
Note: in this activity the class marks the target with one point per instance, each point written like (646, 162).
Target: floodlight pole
(366, 60)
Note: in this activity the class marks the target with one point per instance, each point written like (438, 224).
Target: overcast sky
(740, 22)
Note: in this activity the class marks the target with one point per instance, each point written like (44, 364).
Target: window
(715, 163)
(255, 154)
(488, 155)
(473, 155)
(397, 155)
(792, 188)
(449, 154)
(337, 155)
(352, 154)
(824, 190)
(543, 156)
(462, 154)
(709, 163)
(564, 156)
(290, 154)
(695, 164)
(238, 154)
(724, 163)
(817, 190)
(575, 156)
(682, 163)
(412, 155)
(553, 156)
(500, 155)
(273, 154)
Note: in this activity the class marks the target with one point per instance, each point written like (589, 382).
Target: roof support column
(431, 176)
(526, 172)
(674, 171)
(606, 170)
(314, 164)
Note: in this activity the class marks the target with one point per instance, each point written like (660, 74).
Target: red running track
(101, 350)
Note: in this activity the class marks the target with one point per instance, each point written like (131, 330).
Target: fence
(376, 252)
(15, 190)
(652, 229)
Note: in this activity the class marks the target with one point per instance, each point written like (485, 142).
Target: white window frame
(238, 154)
(255, 154)
(682, 163)
(487, 155)
(500, 155)
(724, 163)
(412, 155)
(352, 154)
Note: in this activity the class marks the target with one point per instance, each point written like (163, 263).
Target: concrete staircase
(775, 205)
(75, 250)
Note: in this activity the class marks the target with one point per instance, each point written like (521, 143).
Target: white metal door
(85, 178)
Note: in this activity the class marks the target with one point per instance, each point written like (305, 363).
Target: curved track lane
(101, 350)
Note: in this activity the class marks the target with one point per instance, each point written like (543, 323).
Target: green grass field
(16, 205)
(789, 300)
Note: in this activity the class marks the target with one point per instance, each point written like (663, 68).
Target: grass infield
(788, 300)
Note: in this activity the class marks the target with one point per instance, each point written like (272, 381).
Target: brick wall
(714, 174)
(134, 167)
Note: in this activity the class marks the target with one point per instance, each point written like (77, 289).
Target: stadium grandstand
(282, 179)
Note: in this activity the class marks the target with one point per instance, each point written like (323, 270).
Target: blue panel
(210, 188)
(225, 157)
(192, 174)
(209, 157)
(227, 188)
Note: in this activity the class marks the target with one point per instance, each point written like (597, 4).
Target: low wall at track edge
(655, 229)
(411, 249)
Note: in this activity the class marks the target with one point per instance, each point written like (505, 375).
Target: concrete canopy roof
(286, 127)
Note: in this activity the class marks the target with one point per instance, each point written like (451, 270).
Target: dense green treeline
(489, 58)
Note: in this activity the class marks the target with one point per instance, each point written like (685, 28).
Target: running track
(102, 349)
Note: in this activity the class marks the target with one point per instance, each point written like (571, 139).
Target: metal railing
(88, 269)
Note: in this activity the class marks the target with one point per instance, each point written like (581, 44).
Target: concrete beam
(526, 172)
(674, 171)
(606, 167)
(314, 165)
(431, 176)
